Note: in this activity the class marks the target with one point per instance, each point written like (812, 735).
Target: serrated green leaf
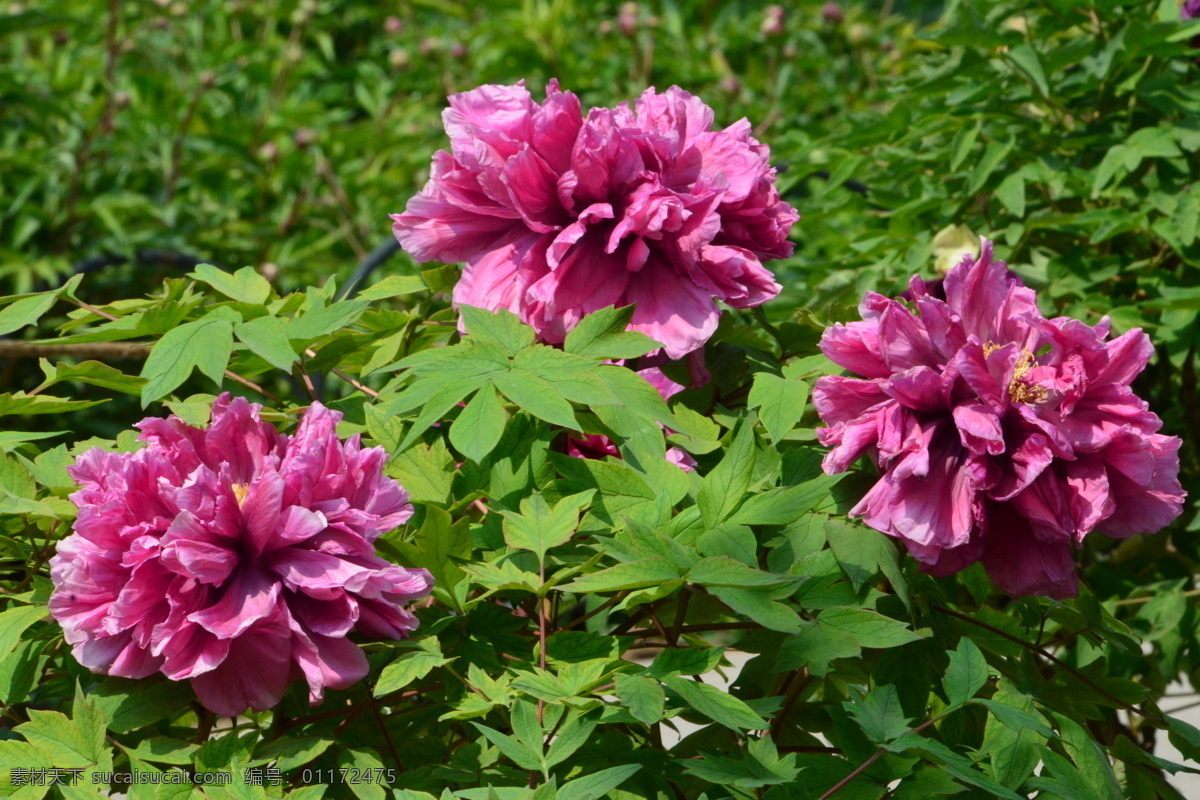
(780, 403)
(245, 285)
(603, 334)
(868, 628)
(537, 396)
(717, 705)
(205, 344)
(967, 673)
(644, 697)
(478, 428)
(266, 339)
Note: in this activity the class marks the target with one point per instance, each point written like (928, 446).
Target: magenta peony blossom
(558, 215)
(1002, 436)
(234, 557)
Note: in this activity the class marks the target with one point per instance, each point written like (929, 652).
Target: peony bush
(622, 480)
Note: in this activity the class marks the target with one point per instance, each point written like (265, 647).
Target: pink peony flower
(558, 215)
(1002, 436)
(595, 445)
(235, 557)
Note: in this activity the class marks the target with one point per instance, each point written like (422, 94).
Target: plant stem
(876, 756)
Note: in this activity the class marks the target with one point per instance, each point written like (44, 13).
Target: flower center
(240, 490)
(1020, 389)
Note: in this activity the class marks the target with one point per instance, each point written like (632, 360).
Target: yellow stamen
(240, 490)
(1019, 389)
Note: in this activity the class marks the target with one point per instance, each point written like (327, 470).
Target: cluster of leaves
(285, 131)
(584, 610)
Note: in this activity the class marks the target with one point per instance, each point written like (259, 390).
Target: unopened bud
(393, 25)
(773, 21)
(832, 13)
(627, 18)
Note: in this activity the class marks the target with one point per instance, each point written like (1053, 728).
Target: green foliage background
(277, 136)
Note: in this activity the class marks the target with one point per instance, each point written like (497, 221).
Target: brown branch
(877, 755)
(387, 737)
(799, 683)
(718, 626)
(11, 349)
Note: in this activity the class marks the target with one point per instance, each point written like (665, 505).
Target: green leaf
(21, 403)
(266, 339)
(644, 697)
(502, 328)
(10, 439)
(717, 705)
(93, 372)
(867, 628)
(319, 322)
(879, 714)
(603, 334)
(539, 398)
(130, 704)
(15, 621)
(634, 575)
(392, 286)
(1011, 192)
(478, 428)
(165, 750)
(722, 489)
(685, 661)
(539, 527)
(523, 756)
(759, 766)
(245, 285)
(407, 668)
(967, 673)
(288, 753)
(815, 647)
(760, 606)
(571, 736)
(445, 397)
(780, 403)
(862, 552)
(787, 504)
(205, 344)
(993, 155)
(724, 571)
(361, 761)
(25, 311)
(597, 785)
(1026, 58)
(1091, 759)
